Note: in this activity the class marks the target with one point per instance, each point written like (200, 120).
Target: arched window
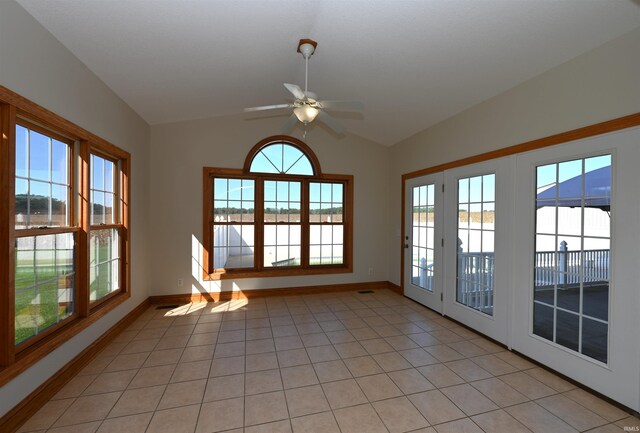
(279, 215)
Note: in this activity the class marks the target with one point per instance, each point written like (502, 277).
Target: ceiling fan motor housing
(306, 47)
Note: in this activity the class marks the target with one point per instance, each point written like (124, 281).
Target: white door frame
(432, 299)
(496, 325)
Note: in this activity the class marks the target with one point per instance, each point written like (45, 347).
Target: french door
(423, 271)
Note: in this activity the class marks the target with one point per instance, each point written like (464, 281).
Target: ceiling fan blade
(342, 105)
(268, 107)
(290, 123)
(330, 122)
(295, 90)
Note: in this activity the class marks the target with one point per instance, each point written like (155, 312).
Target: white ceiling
(413, 63)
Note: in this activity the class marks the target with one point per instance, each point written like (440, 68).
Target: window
(423, 250)
(476, 234)
(104, 235)
(279, 215)
(45, 263)
(572, 254)
(64, 216)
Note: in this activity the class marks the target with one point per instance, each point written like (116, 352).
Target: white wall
(181, 150)
(594, 87)
(35, 65)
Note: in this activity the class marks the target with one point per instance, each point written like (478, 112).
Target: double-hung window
(278, 216)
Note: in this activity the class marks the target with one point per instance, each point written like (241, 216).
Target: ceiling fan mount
(306, 106)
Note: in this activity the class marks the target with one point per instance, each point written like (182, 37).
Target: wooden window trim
(16, 109)
(209, 273)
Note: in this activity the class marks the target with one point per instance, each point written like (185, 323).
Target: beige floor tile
(494, 365)
(469, 399)
(284, 330)
(424, 339)
(308, 328)
(630, 421)
(178, 420)
(203, 339)
(362, 366)
(74, 387)
(97, 365)
(288, 343)
(197, 353)
(265, 345)
(538, 419)
(224, 387)
(418, 357)
(350, 350)
(110, 382)
(88, 427)
(126, 424)
(186, 371)
(401, 342)
(527, 385)
(260, 333)
(179, 330)
(138, 400)
(226, 350)
(47, 415)
(443, 353)
(499, 392)
(227, 366)
(447, 336)
(337, 337)
(264, 408)
(140, 346)
(609, 428)
(464, 425)
(597, 405)
(320, 422)
(516, 360)
(359, 419)
(127, 362)
(176, 342)
(343, 393)
(436, 407)
(272, 427)
(331, 370)
(306, 400)
(221, 415)
(467, 348)
(499, 421)
(362, 334)
(206, 328)
(262, 381)
(261, 361)
(183, 394)
(391, 361)
(468, 370)
(231, 336)
(378, 387)
(571, 412)
(163, 357)
(440, 375)
(551, 380)
(376, 345)
(410, 381)
(399, 415)
(314, 340)
(487, 345)
(88, 408)
(322, 353)
(152, 376)
(301, 375)
(290, 358)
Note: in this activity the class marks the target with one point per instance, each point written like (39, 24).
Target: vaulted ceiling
(412, 63)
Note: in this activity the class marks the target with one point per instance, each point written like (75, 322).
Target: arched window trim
(283, 139)
(307, 264)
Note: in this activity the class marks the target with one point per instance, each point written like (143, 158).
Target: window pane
(282, 245)
(22, 203)
(281, 158)
(22, 151)
(104, 250)
(45, 278)
(39, 151)
(476, 225)
(59, 199)
(233, 246)
(59, 162)
(103, 191)
(572, 257)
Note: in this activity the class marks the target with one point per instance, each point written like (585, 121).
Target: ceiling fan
(306, 106)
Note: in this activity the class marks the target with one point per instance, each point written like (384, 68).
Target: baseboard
(17, 416)
(259, 293)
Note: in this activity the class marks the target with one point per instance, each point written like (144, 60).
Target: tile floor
(336, 362)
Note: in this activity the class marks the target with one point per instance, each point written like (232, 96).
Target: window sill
(37, 351)
(290, 272)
